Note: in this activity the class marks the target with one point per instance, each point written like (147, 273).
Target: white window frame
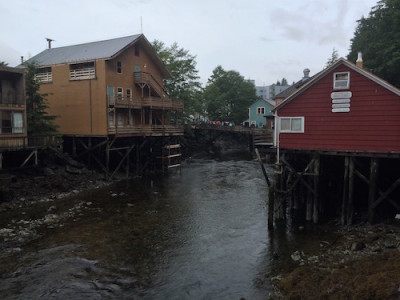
(290, 125)
(260, 110)
(338, 83)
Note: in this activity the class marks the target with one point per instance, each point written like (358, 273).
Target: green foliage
(3, 64)
(228, 96)
(284, 81)
(378, 38)
(39, 122)
(184, 84)
(334, 57)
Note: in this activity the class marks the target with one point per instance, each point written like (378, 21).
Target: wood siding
(372, 125)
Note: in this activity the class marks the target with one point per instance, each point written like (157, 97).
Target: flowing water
(196, 234)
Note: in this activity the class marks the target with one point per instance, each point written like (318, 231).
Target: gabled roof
(324, 72)
(100, 50)
(291, 89)
(270, 102)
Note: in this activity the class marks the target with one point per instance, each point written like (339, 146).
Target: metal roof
(84, 52)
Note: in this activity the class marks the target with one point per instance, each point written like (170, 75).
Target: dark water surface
(198, 234)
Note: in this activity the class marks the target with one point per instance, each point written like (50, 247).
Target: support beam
(345, 195)
(350, 210)
(316, 188)
(373, 179)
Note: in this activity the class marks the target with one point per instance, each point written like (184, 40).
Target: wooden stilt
(350, 210)
(271, 202)
(73, 147)
(373, 178)
(107, 159)
(316, 185)
(309, 206)
(345, 190)
(90, 152)
(1, 160)
(127, 162)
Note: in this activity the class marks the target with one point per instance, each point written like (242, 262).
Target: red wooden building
(342, 108)
(343, 118)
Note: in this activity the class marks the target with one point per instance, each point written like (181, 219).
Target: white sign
(340, 101)
(341, 95)
(335, 110)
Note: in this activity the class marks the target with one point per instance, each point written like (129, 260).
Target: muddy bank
(362, 263)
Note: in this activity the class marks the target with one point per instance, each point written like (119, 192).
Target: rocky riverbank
(36, 199)
(362, 263)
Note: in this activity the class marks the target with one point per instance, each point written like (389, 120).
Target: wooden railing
(85, 73)
(44, 77)
(147, 78)
(153, 102)
(146, 129)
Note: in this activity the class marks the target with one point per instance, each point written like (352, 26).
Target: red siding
(372, 125)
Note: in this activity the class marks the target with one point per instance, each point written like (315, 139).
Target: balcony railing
(44, 77)
(80, 74)
(147, 78)
(12, 99)
(165, 103)
(146, 129)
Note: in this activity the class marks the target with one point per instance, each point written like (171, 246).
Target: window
(292, 124)
(82, 71)
(18, 122)
(119, 93)
(129, 94)
(111, 119)
(260, 110)
(341, 80)
(119, 67)
(137, 50)
(120, 120)
(44, 75)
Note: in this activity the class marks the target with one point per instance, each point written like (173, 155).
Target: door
(110, 95)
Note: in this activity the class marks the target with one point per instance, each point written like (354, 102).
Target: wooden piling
(316, 185)
(373, 178)
(345, 190)
(350, 209)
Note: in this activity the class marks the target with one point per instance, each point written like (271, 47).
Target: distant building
(268, 92)
(260, 115)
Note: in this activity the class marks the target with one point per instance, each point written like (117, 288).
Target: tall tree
(334, 57)
(228, 95)
(39, 122)
(184, 84)
(378, 38)
(284, 81)
(3, 64)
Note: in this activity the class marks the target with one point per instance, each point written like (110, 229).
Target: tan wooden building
(108, 93)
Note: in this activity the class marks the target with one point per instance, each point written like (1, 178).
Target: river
(196, 234)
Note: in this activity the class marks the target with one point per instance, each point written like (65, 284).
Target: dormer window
(341, 80)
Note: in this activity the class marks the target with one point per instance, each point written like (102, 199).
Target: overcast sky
(264, 40)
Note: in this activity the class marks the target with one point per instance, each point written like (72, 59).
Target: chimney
(306, 74)
(22, 60)
(49, 42)
(359, 61)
